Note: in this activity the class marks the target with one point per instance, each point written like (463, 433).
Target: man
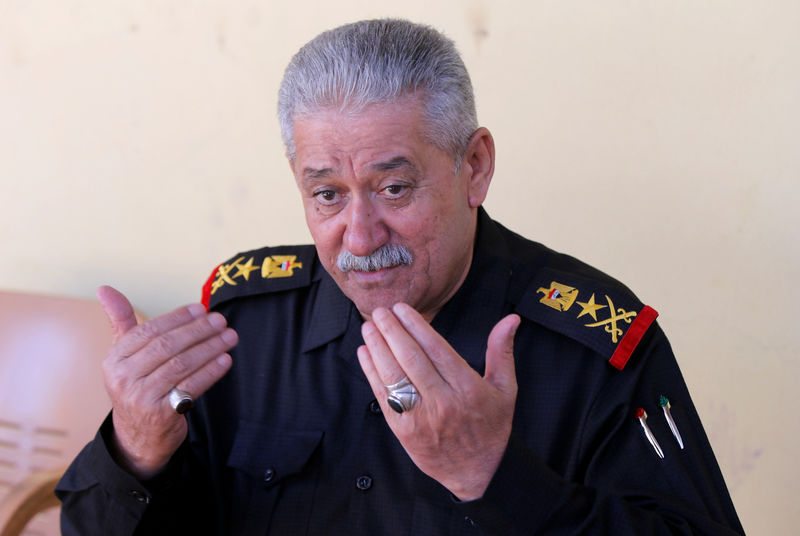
(419, 370)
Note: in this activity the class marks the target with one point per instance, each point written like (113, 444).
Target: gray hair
(375, 61)
(386, 256)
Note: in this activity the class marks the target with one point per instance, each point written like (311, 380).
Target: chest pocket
(268, 459)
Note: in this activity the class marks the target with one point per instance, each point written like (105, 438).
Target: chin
(369, 290)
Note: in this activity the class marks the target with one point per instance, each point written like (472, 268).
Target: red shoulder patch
(206, 298)
(632, 337)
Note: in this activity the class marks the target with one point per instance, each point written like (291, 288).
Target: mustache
(386, 256)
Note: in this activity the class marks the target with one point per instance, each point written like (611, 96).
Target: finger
(177, 368)
(118, 310)
(140, 336)
(500, 354)
(374, 379)
(405, 350)
(174, 355)
(448, 364)
(387, 369)
(203, 378)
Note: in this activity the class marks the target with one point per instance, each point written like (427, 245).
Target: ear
(478, 163)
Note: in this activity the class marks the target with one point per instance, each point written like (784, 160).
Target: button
(139, 496)
(374, 407)
(468, 520)
(269, 475)
(364, 482)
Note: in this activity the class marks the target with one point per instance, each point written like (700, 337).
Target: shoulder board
(604, 317)
(259, 271)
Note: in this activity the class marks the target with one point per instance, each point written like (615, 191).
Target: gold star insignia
(245, 269)
(590, 308)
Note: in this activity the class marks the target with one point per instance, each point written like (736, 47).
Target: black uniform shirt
(291, 441)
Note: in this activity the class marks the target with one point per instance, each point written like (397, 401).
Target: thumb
(500, 354)
(118, 310)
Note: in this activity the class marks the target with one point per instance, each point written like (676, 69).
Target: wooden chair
(52, 400)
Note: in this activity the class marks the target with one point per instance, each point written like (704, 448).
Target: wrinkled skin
(186, 348)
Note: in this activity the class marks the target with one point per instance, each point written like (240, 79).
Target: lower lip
(371, 277)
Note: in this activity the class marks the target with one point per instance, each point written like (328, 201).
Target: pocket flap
(271, 454)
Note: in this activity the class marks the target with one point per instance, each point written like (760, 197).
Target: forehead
(386, 132)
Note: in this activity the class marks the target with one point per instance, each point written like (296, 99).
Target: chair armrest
(27, 498)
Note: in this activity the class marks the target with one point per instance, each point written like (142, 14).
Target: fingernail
(230, 336)
(400, 308)
(196, 310)
(217, 320)
(381, 313)
(368, 328)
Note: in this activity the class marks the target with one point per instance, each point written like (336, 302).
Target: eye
(395, 190)
(326, 197)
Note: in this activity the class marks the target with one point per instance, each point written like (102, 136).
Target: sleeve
(624, 487)
(99, 497)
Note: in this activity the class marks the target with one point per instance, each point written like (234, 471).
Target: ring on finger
(402, 395)
(180, 400)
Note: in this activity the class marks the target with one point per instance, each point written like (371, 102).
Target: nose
(365, 231)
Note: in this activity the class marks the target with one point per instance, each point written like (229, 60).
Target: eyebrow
(395, 163)
(398, 162)
(311, 174)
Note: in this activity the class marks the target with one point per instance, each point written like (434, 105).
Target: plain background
(657, 140)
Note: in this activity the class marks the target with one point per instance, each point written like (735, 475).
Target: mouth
(372, 276)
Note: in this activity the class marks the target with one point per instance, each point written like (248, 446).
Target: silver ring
(402, 395)
(181, 401)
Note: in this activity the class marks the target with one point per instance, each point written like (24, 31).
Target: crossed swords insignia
(273, 266)
(611, 322)
(562, 297)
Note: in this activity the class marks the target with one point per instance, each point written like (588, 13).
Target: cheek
(326, 237)
(444, 237)
(423, 237)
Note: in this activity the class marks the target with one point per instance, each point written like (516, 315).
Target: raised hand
(459, 430)
(185, 348)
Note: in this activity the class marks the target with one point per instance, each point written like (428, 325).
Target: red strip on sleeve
(206, 299)
(632, 337)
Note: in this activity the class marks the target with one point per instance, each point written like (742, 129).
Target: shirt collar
(330, 313)
(481, 301)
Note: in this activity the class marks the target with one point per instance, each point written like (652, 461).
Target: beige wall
(657, 140)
